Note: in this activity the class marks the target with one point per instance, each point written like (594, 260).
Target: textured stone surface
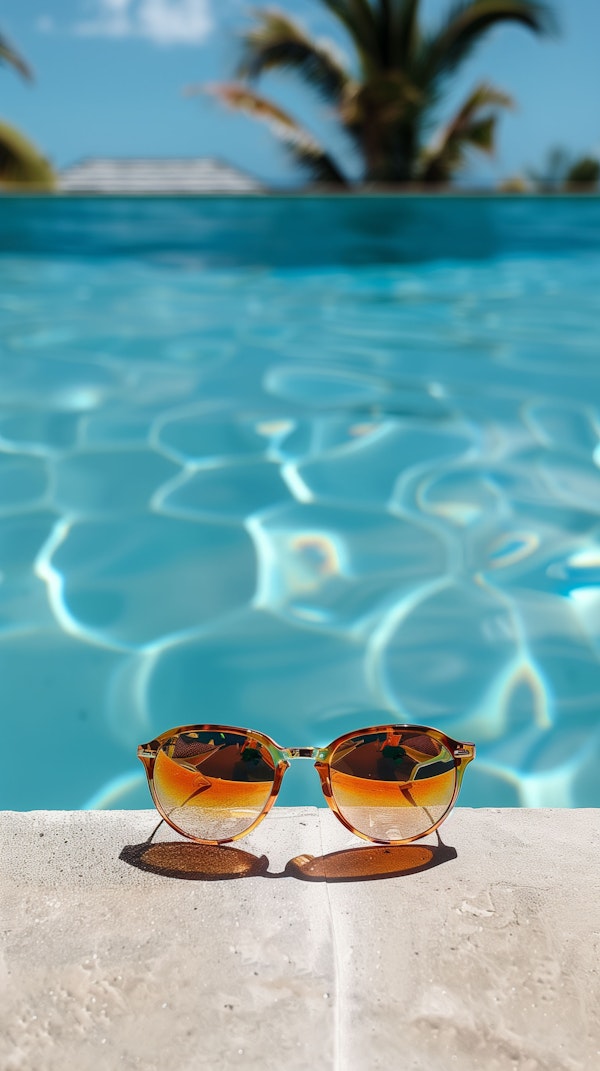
(300, 946)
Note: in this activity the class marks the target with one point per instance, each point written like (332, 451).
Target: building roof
(148, 175)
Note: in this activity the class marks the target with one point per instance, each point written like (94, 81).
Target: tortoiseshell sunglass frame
(462, 754)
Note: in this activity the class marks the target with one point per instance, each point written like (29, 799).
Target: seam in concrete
(337, 973)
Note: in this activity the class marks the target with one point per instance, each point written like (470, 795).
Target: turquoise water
(301, 466)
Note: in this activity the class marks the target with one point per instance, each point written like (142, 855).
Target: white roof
(106, 175)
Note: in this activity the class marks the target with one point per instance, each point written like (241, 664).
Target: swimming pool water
(301, 466)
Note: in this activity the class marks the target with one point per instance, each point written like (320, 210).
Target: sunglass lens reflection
(213, 785)
(393, 785)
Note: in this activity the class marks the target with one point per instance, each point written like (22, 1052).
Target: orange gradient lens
(213, 785)
(392, 785)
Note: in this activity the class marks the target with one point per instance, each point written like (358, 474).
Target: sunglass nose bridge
(302, 752)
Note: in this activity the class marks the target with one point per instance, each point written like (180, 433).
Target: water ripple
(302, 499)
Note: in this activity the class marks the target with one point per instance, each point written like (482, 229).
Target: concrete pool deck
(481, 953)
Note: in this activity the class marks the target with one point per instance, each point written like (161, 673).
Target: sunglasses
(390, 784)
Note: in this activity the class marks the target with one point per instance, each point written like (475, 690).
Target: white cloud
(165, 22)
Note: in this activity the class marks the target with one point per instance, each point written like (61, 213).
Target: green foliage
(21, 165)
(469, 129)
(584, 173)
(305, 149)
(561, 172)
(277, 42)
(385, 98)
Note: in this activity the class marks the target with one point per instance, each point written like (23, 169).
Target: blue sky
(110, 76)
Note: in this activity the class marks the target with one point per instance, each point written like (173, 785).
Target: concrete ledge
(480, 954)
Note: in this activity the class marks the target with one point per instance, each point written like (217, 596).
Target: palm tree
(385, 99)
(20, 162)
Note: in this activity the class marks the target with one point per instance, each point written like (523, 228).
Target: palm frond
(480, 133)
(10, 56)
(279, 41)
(468, 129)
(483, 96)
(359, 19)
(469, 21)
(305, 148)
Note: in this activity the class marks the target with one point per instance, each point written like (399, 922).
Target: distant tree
(563, 172)
(552, 174)
(20, 162)
(583, 174)
(384, 101)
